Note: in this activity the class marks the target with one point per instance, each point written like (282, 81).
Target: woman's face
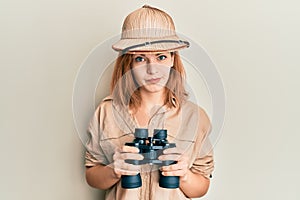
(151, 71)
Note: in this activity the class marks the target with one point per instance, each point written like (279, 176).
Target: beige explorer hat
(148, 29)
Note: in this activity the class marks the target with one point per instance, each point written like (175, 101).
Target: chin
(153, 88)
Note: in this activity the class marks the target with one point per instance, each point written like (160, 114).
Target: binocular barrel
(151, 148)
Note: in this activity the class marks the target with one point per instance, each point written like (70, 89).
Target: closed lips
(153, 80)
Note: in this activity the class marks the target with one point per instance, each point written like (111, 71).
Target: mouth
(153, 80)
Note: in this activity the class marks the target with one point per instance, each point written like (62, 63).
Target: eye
(139, 59)
(162, 57)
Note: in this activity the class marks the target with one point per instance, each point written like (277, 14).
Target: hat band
(154, 42)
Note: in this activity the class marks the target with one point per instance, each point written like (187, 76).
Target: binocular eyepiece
(151, 148)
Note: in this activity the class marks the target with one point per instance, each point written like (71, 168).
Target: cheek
(139, 73)
(165, 71)
(169, 62)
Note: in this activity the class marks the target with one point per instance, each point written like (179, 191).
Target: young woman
(147, 91)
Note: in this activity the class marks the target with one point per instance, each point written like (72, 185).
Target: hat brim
(171, 43)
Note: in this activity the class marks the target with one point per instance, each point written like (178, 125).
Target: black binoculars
(151, 148)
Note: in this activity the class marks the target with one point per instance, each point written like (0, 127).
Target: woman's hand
(180, 169)
(120, 166)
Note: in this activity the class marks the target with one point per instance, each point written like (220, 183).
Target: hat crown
(148, 22)
(148, 29)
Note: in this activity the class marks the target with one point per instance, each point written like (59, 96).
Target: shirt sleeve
(204, 161)
(204, 165)
(94, 153)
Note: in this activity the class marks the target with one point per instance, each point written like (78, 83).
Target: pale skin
(152, 78)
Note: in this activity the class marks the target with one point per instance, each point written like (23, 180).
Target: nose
(151, 62)
(151, 68)
(151, 59)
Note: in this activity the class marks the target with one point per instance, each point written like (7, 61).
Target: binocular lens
(160, 134)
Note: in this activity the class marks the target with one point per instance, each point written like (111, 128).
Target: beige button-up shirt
(112, 126)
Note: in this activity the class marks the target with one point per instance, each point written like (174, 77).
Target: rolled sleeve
(204, 160)
(94, 153)
(90, 160)
(204, 165)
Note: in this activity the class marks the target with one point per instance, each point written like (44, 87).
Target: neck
(151, 99)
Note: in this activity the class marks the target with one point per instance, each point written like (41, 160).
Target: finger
(131, 156)
(130, 149)
(181, 173)
(122, 168)
(174, 150)
(130, 167)
(183, 158)
(174, 167)
(117, 155)
(123, 156)
(120, 164)
(126, 172)
(177, 157)
(170, 157)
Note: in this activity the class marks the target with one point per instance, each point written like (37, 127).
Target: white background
(255, 45)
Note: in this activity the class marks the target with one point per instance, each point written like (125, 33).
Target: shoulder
(105, 103)
(191, 108)
(103, 107)
(106, 100)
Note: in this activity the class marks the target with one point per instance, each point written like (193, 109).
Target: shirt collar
(163, 108)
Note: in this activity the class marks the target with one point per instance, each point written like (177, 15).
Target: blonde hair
(125, 91)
